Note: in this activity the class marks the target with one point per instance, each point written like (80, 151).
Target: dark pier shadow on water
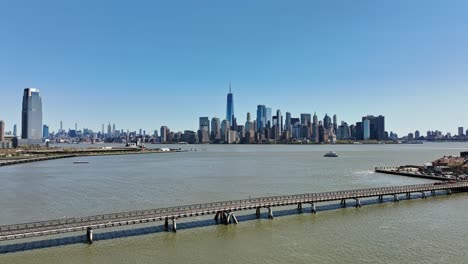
(159, 228)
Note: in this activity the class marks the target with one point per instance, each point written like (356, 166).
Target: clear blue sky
(143, 64)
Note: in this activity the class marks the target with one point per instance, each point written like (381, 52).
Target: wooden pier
(224, 211)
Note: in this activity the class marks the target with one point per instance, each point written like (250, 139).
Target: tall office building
(315, 128)
(102, 128)
(204, 124)
(366, 130)
(261, 121)
(215, 129)
(61, 126)
(376, 126)
(417, 134)
(288, 125)
(335, 123)
(279, 121)
(327, 122)
(306, 119)
(45, 131)
(268, 117)
(164, 134)
(230, 106)
(460, 132)
(2, 131)
(31, 122)
(248, 123)
(109, 130)
(15, 131)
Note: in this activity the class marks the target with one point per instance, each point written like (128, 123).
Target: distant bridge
(223, 211)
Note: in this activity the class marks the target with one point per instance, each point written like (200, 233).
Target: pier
(397, 171)
(224, 212)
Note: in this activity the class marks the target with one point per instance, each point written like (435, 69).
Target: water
(414, 231)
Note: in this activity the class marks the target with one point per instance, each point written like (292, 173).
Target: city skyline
(353, 59)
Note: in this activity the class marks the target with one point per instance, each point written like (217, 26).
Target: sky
(144, 64)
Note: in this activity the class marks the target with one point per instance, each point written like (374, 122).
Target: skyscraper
(215, 129)
(327, 122)
(31, 122)
(279, 121)
(261, 118)
(460, 132)
(45, 131)
(204, 124)
(305, 119)
(230, 106)
(15, 130)
(335, 123)
(268, 117)
(109, 129)
(2, 131)
(366, 129)
(288, 126)
(61, 126)
(376, 126)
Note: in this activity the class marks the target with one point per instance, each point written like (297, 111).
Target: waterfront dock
(400, 172)
(224, 212)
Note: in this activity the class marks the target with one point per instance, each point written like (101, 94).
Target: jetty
(224, 212)
(409, 173)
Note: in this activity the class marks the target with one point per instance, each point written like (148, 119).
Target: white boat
(331, 154)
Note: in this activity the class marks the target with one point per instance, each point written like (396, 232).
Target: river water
(414, 231)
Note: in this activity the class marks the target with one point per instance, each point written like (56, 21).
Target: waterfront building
(215, 129)
(45, 131)
(288, 125)
(2, 131)
(327, 122)
(343, 131)
(164, 134)
(268, 117)
(376, 126)
(460, 132)
(204, 124)
(31, 122)
(335, 123)
(261, 120)
(225, 128)
(190, 137)
(306, 119)
(203, 136)
(417, 134)
(366, 129)
(279, 122)
(230, 106)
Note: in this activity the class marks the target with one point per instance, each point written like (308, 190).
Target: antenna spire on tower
(229, 86)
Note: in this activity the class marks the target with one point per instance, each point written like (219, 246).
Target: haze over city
(166, 65)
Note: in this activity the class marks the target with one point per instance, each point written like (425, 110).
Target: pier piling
(174, 224)
(270, 213)
(257, 212)
(89, 235)
(299, 207)
(314, 210)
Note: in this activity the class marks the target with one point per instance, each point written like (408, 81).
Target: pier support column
(174, 224)
(423, 195)
(89, 235)
(216, 216)
(380, 198)
(408, 195)
(433, 192)
(358, 203)
(314, 211)
(270, 213)
(234, 219)
(343, 202)
(449, 191)
(166, 224)
(396, 199)
(299, 207)
(257, 212)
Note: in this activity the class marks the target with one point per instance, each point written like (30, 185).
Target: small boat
(331, 154)
(80, 162)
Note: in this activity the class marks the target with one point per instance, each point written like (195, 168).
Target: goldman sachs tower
(230, 107)
(31, 123)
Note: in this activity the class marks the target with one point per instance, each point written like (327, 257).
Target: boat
(80, 162)
(331, 154)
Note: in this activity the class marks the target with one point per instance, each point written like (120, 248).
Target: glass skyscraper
(31, 123)
(230, 106)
